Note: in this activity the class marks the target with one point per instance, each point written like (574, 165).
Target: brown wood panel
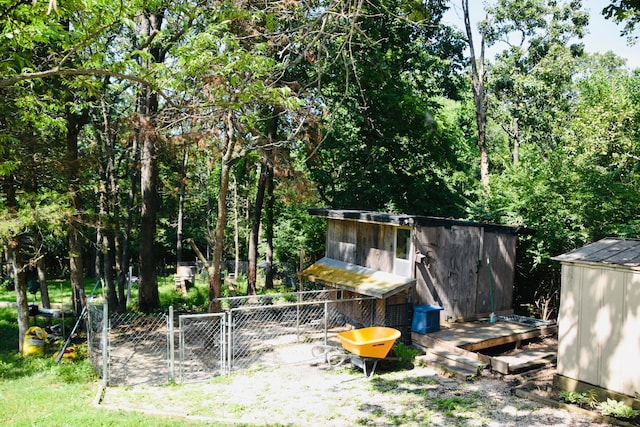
(447, 276)
(463, 250)
(375, 246)
(341, 240)
(431, 274)
(500, 250)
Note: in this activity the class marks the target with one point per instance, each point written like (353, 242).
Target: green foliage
(405, 353)
(586, 399)
(452, 405)
(386, 147)
(618, 409)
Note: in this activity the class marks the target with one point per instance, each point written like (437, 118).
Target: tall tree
(530, 81)
(478, 81)
(150, 25)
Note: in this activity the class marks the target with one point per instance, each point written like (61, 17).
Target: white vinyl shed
(599, 316)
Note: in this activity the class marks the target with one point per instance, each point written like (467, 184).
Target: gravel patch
(313, 394)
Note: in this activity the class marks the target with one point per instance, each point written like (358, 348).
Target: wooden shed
(444, 261)
(599, 316)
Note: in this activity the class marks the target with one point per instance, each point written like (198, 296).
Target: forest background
(145, 133)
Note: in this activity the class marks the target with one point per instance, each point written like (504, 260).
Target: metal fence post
(172, 346)
(326, 321)
(181, 345)
(105, 343)
(229, 340)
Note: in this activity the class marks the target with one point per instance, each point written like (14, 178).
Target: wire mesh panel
(273, 335)
(138, 349)
(202, 346)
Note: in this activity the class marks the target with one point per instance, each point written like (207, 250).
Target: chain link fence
(249, 333)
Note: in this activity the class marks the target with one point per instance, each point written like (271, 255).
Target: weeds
(450, 405)
(405, 353)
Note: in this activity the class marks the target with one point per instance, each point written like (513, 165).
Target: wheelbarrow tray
(373, 342)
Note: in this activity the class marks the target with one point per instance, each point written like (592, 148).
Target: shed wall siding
(341, 240)
(598, 327)
(367, 244)
(569, 313)
(454, 273)
(375, 246)
(500, 250)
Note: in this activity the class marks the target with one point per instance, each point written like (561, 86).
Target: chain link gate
(129, 348)
(202, 346)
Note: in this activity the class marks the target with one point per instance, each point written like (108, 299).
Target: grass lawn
(37, 391)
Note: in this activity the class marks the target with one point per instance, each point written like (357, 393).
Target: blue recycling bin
(426, 318)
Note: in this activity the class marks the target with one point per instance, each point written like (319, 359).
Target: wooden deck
(467, 339)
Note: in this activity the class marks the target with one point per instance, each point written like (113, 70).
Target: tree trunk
(15, 268)
(477, 76)
(20, 283)
(216, 262)
(125, 262)
(236, 229)
(516, 142)
(105, 243)
(41, 272)
(268, 229)
(255, 228)
(182, 190)
(270, 160)
(148, 299)
(76, 271)
(112, 265)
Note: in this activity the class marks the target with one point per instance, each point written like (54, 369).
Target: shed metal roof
(610, 251)
(356, 278)
(413, 220)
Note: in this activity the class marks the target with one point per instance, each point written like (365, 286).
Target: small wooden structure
(185, 276)
(446, 259)
(599, 316)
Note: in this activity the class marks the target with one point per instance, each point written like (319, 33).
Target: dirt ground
(314, 394)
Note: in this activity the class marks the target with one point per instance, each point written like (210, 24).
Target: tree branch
(81, 72)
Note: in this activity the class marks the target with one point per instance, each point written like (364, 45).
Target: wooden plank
(375, 246)
(429, 342)
(494, 342)
(500, 249)
(455, 360)
(526, 359)
(448, 367)
(472, 333)
(341, 240)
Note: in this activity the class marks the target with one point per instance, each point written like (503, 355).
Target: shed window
(403, 243)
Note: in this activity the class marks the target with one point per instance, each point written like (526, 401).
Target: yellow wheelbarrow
(360, 346)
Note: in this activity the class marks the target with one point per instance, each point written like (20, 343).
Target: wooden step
(451, 362)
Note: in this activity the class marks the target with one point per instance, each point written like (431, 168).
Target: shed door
(402, 260)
